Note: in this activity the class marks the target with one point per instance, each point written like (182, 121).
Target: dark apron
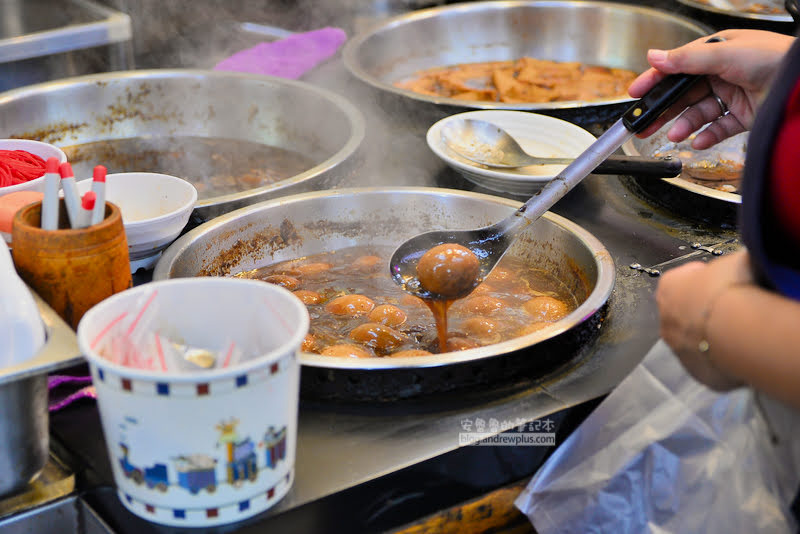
(775, 256)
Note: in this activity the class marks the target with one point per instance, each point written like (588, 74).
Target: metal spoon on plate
(491, 242)
(489, 144)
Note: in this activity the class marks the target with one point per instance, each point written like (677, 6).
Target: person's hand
(739, 70)
(684, 296)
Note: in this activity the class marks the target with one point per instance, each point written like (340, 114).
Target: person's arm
(753, 335)
(739, 69)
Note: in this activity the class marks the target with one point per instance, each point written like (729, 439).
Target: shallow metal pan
(287, 114)
(735, 145)
(311, 223)
(601, 33)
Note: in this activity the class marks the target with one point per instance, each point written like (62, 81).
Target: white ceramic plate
(539, 135)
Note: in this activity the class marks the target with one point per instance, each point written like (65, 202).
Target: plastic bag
(663, 453)
(22, 333)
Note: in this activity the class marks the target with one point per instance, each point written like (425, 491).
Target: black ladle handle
(793, 9)
(665, 93)
(641, 167)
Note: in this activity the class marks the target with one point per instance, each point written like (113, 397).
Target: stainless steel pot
(601, 33)
(280, 113)
(311, 223)
(24, 438)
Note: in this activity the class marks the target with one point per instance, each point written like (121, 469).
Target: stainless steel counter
(35, 28)
(41, 40)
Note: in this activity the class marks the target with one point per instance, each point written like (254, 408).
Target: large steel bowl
(601, 33)
(286, 114)
(301, 225)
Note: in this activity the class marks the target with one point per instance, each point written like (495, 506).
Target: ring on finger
(723, 107)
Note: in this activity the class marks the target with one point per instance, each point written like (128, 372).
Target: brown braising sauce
(358, 311)
(215, 166)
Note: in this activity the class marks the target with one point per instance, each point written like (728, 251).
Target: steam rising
(200, 33)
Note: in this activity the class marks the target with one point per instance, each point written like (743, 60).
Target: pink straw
(160, 352)
(228, 355)
(104, 331)
(141, 312)
(278, 316)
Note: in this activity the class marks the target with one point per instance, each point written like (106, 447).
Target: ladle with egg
(442, 275)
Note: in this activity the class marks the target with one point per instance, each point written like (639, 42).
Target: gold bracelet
(704, 346)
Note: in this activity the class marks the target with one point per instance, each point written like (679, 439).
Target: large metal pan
(601, 33)
(300, 225)
(286, 114)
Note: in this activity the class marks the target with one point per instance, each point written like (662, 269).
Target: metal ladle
(491, 242)
(488, 144)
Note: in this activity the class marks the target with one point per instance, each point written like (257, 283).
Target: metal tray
(66, 516)
(60, 350)
(34, 28)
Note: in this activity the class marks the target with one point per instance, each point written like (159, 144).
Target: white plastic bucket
(206, 447)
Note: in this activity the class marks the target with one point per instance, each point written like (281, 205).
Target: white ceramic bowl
(207, 446)
(155, 208)
(43, 150)
(539, 135)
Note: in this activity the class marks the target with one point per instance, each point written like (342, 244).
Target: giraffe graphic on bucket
(240, 453)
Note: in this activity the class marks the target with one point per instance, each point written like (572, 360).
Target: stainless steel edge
(596, 299)
(115, 27)
(209, 207)
(354, 46)
(775, 17)
(630, 149)
(60, 349)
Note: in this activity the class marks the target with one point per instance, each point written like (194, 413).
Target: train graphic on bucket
(197, 472)
(154, 476)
